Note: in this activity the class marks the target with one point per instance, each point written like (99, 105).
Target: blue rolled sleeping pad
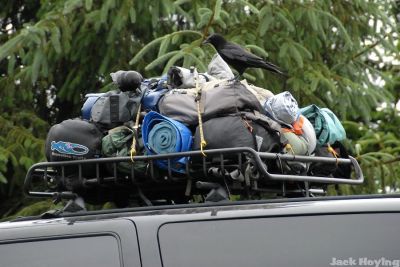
(155, 90)
(163, 135)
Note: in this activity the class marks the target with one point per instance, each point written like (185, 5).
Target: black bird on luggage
(239, 58)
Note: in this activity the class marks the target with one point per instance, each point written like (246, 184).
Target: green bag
(118, 144)
(327, 126)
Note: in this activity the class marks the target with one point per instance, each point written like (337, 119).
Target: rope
(334, 153)
(290, 148)
(249, 127)
(135, 128)
(203, 142)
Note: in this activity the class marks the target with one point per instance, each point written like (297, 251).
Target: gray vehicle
(301, 231)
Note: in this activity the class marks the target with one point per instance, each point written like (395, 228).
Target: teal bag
(327, 126)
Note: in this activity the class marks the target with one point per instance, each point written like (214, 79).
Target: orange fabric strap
(297, 127)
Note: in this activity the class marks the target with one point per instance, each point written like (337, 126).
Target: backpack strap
(205, 77)
(114, 108)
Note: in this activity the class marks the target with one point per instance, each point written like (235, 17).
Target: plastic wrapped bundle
(283, 108)
(219, 69)
(183, 78)
(163, 135)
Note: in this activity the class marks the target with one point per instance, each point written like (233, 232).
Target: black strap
(205, 77)
(114, 108)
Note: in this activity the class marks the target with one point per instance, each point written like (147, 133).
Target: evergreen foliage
(53, 52)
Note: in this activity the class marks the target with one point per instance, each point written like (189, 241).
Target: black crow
(238, 57)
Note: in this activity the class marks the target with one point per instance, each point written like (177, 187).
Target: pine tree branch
(210, 21)
(371, 46)
(386, 162)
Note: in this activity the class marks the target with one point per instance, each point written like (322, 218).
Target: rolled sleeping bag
(162, 135)
(302, 141)
(301, 136)
(309, 134)
(298, 144)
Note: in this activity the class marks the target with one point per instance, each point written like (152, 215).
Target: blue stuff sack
(155, 89)
(162, 135)
(151, 98)
(89, 102)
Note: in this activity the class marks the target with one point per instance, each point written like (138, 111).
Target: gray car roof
(229, 210)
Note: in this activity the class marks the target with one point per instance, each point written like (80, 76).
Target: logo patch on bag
(69, 148)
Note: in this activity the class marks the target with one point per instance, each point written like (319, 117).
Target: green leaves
(294, 52)
(88, 4)
(145, 49)
(160, 60)
(165, 43)
(55, 39)
(340, 26)
(312, 17)
(37, 61)
(258, 50)
(205, 16)
(217, 9)
(266, 23)
(71, 5)
(132, 14)
(11, 65)
(11, 46)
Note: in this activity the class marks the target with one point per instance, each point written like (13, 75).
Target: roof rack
(220, 173)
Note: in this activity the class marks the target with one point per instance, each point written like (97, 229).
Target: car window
(329, 240)
(99, 251)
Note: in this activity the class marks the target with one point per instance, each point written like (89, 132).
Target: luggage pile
(185, 111)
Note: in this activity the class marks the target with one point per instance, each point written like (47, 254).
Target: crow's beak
(206, 41)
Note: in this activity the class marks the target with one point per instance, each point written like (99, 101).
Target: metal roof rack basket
(215, 177)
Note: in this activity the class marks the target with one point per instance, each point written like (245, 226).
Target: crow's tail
(273, 68)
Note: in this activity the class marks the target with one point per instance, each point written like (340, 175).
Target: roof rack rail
(231, 170)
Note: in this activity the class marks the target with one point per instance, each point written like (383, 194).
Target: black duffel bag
(74, 139)
(331, 169)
